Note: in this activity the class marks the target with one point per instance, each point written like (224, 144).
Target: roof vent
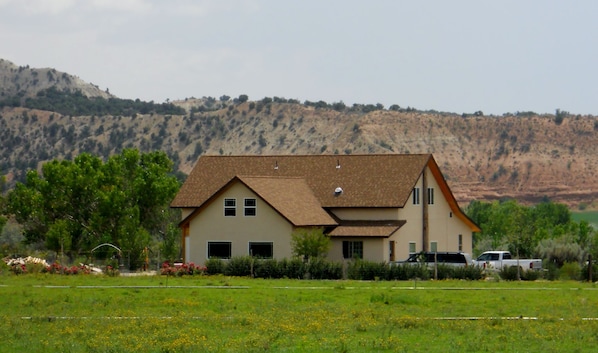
(338, 164)
(338, 191)
(276, 165)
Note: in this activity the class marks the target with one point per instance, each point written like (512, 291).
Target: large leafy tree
(519, 228)
(76, 205)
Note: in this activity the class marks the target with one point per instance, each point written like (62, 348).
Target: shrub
(367, 270)
(35, 267)
(268, 269)
(531, 275)
(552, 271)
(472, 273)
(189, 269)
(294, 268)
(442, 272)
(560, 250)
(570, 271)
(319, 268)
(509, 273)
(239, 266)
(111, 271)
(215, 266)
(403, 272)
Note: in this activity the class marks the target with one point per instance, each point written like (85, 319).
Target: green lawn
(589, 216)
(45, 313)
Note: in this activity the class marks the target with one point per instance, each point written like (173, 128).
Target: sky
(451, 56)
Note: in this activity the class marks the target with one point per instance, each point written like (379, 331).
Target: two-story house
(375, 207)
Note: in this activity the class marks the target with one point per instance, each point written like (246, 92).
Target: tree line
(545, 230)
(72, 206)
(74, 103)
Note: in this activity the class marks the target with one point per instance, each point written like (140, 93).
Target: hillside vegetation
(517, 155)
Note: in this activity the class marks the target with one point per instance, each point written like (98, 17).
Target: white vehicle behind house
(496, 260)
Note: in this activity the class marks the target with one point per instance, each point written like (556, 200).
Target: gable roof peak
(367, 180)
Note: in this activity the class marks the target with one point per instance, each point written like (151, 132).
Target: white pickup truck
(496, 260)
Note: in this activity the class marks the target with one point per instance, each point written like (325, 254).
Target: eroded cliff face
(486, 158)
(527, 157)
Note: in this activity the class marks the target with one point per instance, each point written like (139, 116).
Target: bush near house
(509, 273)
(320, 268)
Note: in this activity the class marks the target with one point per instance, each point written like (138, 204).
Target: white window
(412, 248)
(430, 196)
(219, 250)
(460, 242)
(434, 246)
(416, 196)
(230, 207)
(250, 207)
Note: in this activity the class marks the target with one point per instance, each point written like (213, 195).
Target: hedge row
(247, 266)
(295, 268)
(367, 270)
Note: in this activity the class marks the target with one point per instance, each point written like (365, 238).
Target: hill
(25, 82)
(523, 155)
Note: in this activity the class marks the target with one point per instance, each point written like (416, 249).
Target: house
(380, 207)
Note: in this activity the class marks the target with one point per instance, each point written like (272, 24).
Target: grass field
(590, 216)
(51, 313)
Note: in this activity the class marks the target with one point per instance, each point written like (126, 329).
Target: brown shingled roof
(292, 198)
(366, 180)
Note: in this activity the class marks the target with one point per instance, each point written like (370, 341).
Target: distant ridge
(24, 82)
(527, 156)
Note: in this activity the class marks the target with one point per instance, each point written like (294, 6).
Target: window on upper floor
(416, 196)
(430, 196)
(412, 248)
(250, 207)
(230, 207)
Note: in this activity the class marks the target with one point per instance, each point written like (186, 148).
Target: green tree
(309, 243)
(122, 201)
(519, 228)
(58, 237)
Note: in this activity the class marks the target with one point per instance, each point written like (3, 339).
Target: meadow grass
(590, 216)
(50, 313)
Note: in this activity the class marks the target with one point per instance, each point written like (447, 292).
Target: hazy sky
(455, 56)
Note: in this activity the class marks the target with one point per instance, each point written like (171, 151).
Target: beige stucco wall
(373, 248)
(185, 212)
(444, 227)
(211, 225)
